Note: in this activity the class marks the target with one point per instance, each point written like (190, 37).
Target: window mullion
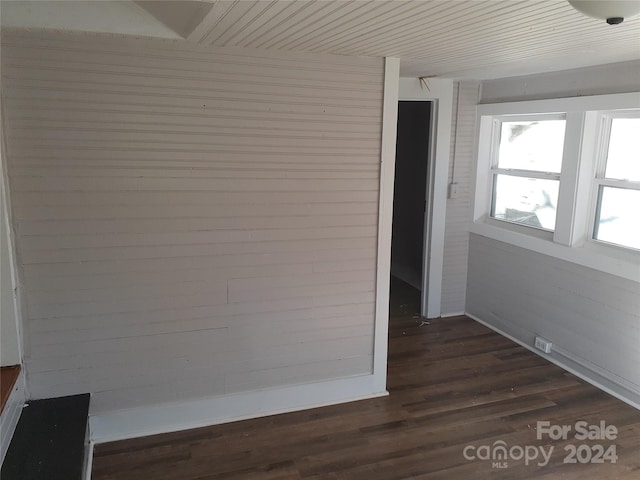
(601, 146)
(515, 172)
(568, 226)
(609, 182)
(601, 130)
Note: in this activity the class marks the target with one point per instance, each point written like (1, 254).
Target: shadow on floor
(404, 300)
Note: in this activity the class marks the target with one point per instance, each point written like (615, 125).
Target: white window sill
(609, 259)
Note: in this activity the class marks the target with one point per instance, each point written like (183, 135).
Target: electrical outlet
(543, 344)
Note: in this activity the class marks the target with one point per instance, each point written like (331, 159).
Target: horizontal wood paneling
(269, 312)
(592, 317)
(9, 326)
(459, 208)
(606, 79)
(191, 221)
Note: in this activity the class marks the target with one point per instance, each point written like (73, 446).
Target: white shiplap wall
(599, 80)
(191, 221)
(456, 242)
(9, 313)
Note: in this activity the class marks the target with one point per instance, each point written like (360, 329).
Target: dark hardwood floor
(452, 384)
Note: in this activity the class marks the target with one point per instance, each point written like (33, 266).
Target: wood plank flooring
(452, 383)
(8, 377)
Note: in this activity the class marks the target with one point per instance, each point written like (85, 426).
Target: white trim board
(614, 101)
(11, 414)
(88, 461)
(151, 420)
(566, 361)
(385, 219)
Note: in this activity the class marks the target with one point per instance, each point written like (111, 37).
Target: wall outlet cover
(543, 344)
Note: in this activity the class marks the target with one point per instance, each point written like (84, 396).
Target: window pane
(529, 201)
(532, 145)
(619, 220)
(623, 159)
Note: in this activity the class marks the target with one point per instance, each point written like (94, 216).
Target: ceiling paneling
(454, 38)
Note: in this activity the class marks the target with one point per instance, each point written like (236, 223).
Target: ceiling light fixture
(613, 11)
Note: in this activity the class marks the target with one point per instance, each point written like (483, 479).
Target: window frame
(582, 161)
(605, 120)
(496, 170)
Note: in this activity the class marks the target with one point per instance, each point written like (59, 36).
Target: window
(617, 218)
(526, 171)
(562, 177)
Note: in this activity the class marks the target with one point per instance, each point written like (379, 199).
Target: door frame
(440, 93)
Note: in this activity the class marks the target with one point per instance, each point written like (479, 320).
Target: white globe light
(613, 11)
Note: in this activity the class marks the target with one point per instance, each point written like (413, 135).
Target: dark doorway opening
(410, 193)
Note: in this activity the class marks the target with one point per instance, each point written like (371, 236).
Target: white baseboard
(573, 365)
(11, 414)
(452, 314)
(154, 419)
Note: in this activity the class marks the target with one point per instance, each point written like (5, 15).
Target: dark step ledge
(8, 377)
(49, 441)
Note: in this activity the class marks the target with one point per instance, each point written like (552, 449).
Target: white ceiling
(447, 38)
